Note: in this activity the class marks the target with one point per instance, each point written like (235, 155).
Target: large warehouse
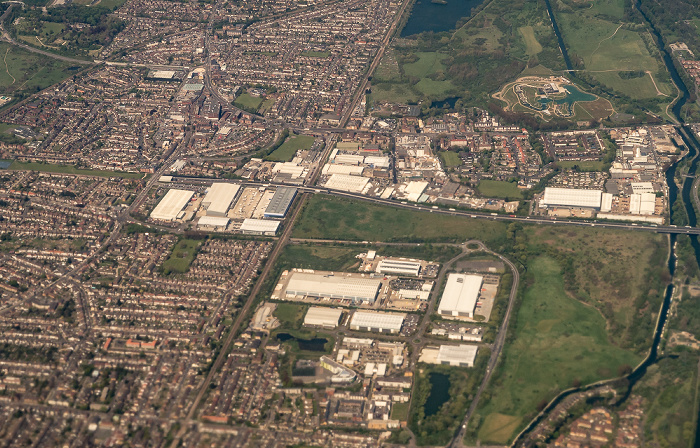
(213, 222)
(345, 182)
(280, 202)
(571, 197)
(253, 226)
(357, 289)
(376, 321)
(172, 204)
(460, 295)
(219, 198)
(323, 317)
(402, 267)
(451, 355)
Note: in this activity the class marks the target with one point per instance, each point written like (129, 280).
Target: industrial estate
(370, 223)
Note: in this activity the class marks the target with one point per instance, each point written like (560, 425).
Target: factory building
(357, 289)
(322, 317)
(346, 182)
(219, 198)
(280, 203)
(377, 321)
(170, 207)
(460, 295)
(572, 197)
(401, 267)
(213, 222)
(450, 355)
(252, 226)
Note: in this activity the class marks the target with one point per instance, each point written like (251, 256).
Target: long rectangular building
(253, 226)
(394, 266)
(377, 321)
(572, 197)
(460, 295)
(219, 198)
(172, 204)
(357, 289)
(280, 202)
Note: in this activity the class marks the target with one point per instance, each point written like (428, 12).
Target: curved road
(495, 350)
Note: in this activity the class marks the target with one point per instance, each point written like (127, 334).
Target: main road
(687, 230)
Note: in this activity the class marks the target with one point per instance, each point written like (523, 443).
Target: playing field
(248, 102)
(499, 189)
(286, 152)
(450, 159)
(50, 168)
(181, 257)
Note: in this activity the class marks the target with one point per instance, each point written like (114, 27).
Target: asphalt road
(468, 214)
(495, 350)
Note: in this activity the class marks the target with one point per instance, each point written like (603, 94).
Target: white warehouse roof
(379, 321)
(219, 198)
(171, 204)
(345, 182)
(407, 267)
(457, 355)
(213, 221)
(336, 287)
(259, 225)
(572, 197)
(460, 295)
(323, 317)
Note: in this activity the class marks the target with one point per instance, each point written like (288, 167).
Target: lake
(437, 17)
(439, 393)
(309, 345)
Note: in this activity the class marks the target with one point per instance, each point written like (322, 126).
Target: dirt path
(658, 92)
(607, 38)
(7, 69)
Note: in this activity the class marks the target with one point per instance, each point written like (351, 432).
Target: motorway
(687, 230)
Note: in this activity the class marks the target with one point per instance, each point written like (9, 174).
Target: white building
(451, 355)
(215, 222)
(460, 295)
(377, 321)
(357, 289)
(252, 226)
(219, 198)
(323, 317)
(571, 197)
(402, 267)
(169, 208)
(346, 182)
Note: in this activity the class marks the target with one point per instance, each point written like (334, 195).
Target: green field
(286, 152)
(181, 257)
(450, 159)
(50, 168)
(584, 165)
(499, 189)
(315, 54)
(327, 257)
(335, 218)
(21, 70)
(290, 315)
(557, 341)
(399, 411)
(533, 46)
(248, 102)
(608, 48)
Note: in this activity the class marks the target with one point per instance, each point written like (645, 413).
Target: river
(691, 142)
